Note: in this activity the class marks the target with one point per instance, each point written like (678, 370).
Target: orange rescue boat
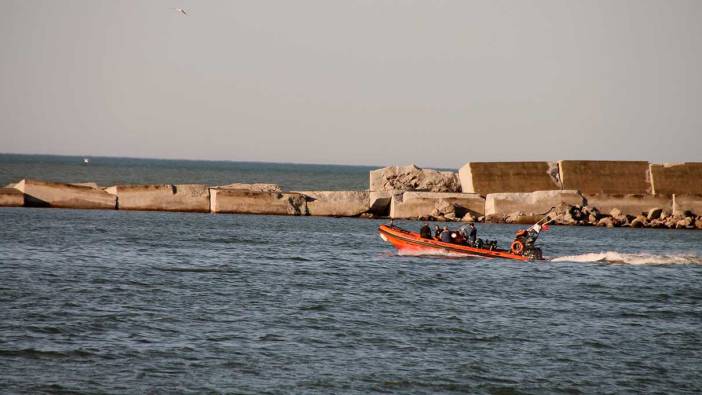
(522, 248)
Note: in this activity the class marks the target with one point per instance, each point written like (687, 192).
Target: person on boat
(437, 232)
(473, 234)
(425, 231)
(445, 235)
(458, 237)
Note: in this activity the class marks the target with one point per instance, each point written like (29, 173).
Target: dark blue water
(137, 302)
(115, 171)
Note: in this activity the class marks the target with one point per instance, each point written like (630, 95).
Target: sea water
(115, 171)
(152, 302)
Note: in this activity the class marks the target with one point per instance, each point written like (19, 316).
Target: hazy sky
(437, 83)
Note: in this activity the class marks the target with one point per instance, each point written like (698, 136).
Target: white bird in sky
(182, 11)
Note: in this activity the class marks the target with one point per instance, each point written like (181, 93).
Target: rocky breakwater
(390, 183)
(654, 218)
(53, 194)
(256, 199)
(163, 197)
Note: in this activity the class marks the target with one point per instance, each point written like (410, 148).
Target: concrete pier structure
(337, 203)
(163, 197)
(53, 194)
(604, 176)
(238, 201)
(498, 177)
(676, 178)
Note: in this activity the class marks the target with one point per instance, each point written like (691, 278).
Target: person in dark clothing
(437, 232)
(445, 235)
(473, 235)
(425, 231)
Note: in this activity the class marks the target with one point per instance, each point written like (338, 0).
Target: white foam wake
(633, 259)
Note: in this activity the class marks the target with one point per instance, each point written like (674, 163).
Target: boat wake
(633, 259)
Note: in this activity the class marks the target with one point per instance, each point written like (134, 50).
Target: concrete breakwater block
(242, 201)
(498, 177)
(687, 204)
(501, 205)
(164, 197)
(53, 194)
(629, 204)
(676, 178)
(256, 187)
(424, 204)
(337, 203)
(605, 176)
(413, 178)
(380, 201)
(11, 197)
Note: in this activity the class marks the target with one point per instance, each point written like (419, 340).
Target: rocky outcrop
(11, 197)
(687, 204)
(608, 177)
(238, 201)
(53, 194)
(525, 207)
(499, 177)
(629, 204)
(566, 214)
(257, 187)
(436, 205)
(163, 197)
(676, 178)
(337, 203)
(412, 178)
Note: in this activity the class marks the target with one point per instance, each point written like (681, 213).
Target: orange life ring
(517, 247)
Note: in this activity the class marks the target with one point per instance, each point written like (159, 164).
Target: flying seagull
(182, 11)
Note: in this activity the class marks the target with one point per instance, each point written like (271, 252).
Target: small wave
(633, 259)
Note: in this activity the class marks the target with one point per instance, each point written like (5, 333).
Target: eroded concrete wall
(337, 203)
(629, 204)
(500, 205)
(11, 197)
(676, 178)
(251, 202)
(53, 194)
(602, 176)
(497, 177)
(422, 204)
(687, 203)
(162, 197)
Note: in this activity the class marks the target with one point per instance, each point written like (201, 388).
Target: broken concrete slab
(54, 194)
(162, 197)
(236, 201)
